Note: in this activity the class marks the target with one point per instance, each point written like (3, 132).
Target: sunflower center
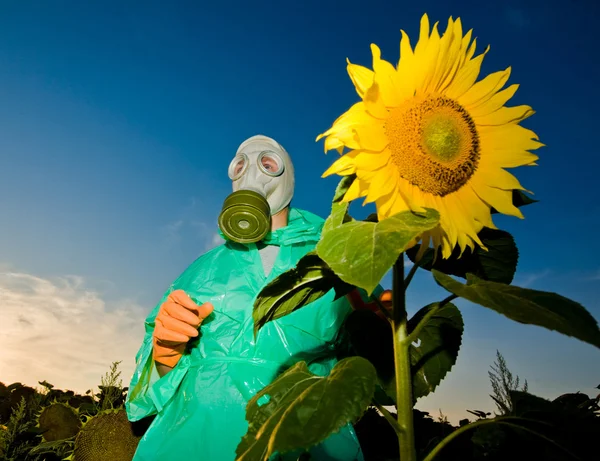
(434, 143)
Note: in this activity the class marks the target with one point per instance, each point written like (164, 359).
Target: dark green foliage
(22, 407)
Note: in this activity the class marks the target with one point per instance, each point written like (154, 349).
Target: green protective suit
(200, 406)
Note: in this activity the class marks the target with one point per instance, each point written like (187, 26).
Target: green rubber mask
(262, 176)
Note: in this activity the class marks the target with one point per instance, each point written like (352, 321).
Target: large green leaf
(438, 344)
(545, 309)
(438, 341)
(371, 337)
(361, 253)
(497, 264)
(304, 409)
(295, 288)
(338, 216)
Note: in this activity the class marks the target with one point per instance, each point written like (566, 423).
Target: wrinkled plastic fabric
(200, 406)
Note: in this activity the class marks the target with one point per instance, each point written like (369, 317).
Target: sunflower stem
(410, 275)
(404, 399)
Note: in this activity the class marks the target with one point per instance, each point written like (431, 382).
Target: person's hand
(385, 299)
(177, 321)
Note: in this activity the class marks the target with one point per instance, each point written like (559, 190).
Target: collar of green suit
(302, 227)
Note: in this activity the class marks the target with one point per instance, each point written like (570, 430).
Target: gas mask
(263, 185)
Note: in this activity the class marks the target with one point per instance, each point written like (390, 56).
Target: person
(200, 363)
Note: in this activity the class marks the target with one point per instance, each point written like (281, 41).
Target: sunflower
(426, 135)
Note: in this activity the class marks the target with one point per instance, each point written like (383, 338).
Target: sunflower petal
(356, 115)
(506, 115)
(447, 56)
(361, 77)
(333, 143)
(387, 78)
(413, 196)
(374, 102)
(371, 161)
(405, 68)
(499, 199)
(454, 58)
(494, 103)
(501, 179)
(342, 131)
(357, 189)
(343, 166)
(484, 89)
(465, 77)
(371, 137)
(471, 50)
(382, 184)
(427, 63)
(391, 204)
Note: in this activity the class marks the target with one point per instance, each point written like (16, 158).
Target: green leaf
(361, 253)
(545, 309)
(438, 344)
(339, 215)
(343, 187)
(295, 288)
(519, 199)
(304, 409)
(372, 338)
(497, 264)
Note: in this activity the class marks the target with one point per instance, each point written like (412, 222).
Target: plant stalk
(404, 399)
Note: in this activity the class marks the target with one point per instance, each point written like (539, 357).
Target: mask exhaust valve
(245, 217)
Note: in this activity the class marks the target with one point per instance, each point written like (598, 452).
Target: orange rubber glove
(177, 321)
(357, 303)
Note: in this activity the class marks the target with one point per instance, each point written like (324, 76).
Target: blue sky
(118, 121)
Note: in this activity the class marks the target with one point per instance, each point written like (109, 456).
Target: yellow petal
(371, 161)
(505, 115)
(425, 63)
(510, 158)
(357, 189)
(499, 178)
(509, 136)
(486, 107)
(360, 76)
(478, 208)
(461, 218)
(413, 196)
(332, 143)
(447, 59)
(383, 183)
(355, 115)
(371, 137)
(390, 204)
(455, 58)
(406, 74)
(342, 133)
(499, 199)
(423, 34)
(406, 55)
(374, 102)
(485, 88)
(471, 50)
(465, 77)
(343, 166)
(387, 78)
